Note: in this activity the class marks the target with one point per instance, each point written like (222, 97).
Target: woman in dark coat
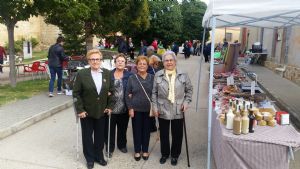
(92, 100)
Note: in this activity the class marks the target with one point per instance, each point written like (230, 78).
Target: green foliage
(34, 42)
(80, 20)
(165, 26)
(18, 46)
(12, 11)
(192, 12)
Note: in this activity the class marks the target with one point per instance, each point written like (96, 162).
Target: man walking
(2, 56)
(56, 56)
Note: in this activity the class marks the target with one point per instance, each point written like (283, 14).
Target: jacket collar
(162, 72)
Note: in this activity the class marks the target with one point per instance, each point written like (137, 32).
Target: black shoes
(174, 161)
(137, 158)
(123, 150)
(101, 162)
(163, 160)
(90, 165)
(145, 157)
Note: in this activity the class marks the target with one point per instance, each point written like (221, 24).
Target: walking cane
(157, 129)
(186, 142)
(108, 136)
(77, 132)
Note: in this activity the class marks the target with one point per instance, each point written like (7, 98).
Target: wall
(294, 47)
(292, 71)
(220, 34)
(34, 27)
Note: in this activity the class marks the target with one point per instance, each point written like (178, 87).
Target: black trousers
(206, 57)
(92, 149)
(1, 62)
(119, 121)
(141, 123)
(177, 134)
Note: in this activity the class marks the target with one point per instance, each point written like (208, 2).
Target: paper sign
(232, 80)
(252, 87)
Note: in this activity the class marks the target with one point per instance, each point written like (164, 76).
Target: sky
(206, 1)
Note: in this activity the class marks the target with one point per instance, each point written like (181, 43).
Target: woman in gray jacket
(171, 95)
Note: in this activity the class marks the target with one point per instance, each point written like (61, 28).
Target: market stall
(255, 13)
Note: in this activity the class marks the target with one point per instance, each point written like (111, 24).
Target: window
(228, 37)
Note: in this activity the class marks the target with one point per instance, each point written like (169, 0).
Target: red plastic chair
(36, 67)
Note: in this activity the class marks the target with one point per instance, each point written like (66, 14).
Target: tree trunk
(11, 44)
(89, 36)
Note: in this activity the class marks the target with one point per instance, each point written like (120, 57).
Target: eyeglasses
(95, 60)
(170, 60)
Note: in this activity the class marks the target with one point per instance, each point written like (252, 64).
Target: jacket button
(98, 98)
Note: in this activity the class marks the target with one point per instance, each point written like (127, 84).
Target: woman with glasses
(91, 94)
(138, 96)
(119, 115)
(171, 95)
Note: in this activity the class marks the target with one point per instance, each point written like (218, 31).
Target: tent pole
(211, 72)
(199, 77)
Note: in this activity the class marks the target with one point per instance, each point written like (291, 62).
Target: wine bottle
(251, 121)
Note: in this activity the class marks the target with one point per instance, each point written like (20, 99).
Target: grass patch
(36, 56)
(23, 90)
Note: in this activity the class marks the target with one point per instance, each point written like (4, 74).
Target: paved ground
(51, 143)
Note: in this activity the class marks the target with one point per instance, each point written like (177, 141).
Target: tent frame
(290, 21)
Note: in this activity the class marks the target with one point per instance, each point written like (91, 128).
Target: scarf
(171, 75)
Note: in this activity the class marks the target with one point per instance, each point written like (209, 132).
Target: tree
(12, 11)
(193, 12)
(81, 20)
(165, 22)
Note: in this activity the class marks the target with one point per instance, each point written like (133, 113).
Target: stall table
(266, 148)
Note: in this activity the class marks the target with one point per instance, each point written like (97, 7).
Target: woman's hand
(108, 111)
(184, 108)
(82, 115)
(131, 113)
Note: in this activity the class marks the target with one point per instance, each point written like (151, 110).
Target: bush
(34, 42)
(19, 44)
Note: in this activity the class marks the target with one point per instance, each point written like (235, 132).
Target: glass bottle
(237, 122)
(245, 122)
(229, 118)
(251, 120)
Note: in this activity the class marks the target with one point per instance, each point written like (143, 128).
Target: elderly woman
(91, 92)
(153, 64)
(138, 96)
(119, 116)
(171, 95)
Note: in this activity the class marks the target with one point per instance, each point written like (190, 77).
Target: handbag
(151, 110)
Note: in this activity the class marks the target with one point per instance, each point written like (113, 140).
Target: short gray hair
(150, 48)
(169, 52)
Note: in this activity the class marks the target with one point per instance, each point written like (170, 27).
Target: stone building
(35, 27)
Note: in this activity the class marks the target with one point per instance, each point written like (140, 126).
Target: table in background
(259, 58)
(17, 66)
(266, 148)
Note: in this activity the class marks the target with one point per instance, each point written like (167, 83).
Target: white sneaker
(50, 94)
(60, 93)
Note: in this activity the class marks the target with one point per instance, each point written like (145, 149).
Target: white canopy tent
(255, 13)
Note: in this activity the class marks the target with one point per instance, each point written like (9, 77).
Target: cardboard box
(278, 116)
(285, 119)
